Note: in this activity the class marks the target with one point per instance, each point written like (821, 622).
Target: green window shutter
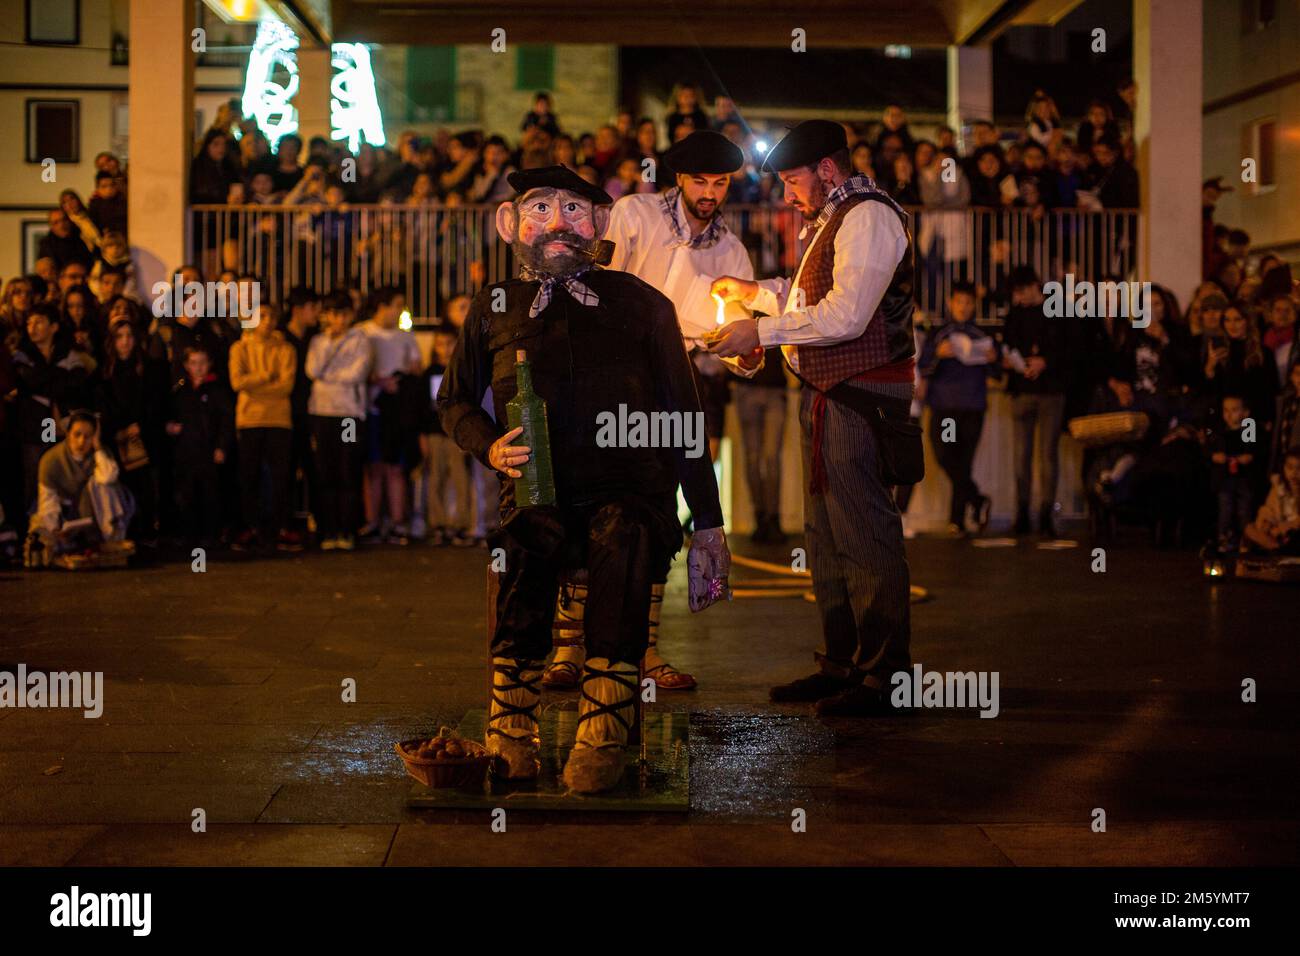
(430, 84)
(534, 67)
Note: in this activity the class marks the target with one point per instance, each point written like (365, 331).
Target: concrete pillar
(313, 98)
(970, 87)
(161, 104)
(1167, 132)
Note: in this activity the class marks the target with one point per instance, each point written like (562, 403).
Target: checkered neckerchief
(856, 185)
(709, 237)
(580, 292)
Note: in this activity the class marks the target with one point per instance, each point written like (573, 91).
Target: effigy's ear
(507, 222)
(600, 216)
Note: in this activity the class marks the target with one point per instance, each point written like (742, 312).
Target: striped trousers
(854, 534)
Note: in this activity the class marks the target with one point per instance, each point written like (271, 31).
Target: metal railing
(434, 252)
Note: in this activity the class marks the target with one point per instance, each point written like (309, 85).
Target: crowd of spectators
(1217, 384)
(316, 424)
(310, 422)
(1042, 167)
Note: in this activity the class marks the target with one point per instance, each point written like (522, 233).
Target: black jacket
(586, 360)
(1030, 332)
(65, 249)
(46, 389)
(1117, 187)
(207, 418)
(129, 396)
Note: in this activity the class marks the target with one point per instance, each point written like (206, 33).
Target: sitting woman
(1276, 529)
(82, 509)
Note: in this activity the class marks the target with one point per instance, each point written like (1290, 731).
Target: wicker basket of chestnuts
(445, 760)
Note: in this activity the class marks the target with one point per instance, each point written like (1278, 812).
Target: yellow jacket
(262, 373)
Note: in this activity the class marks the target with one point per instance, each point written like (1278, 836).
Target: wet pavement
(1118, 691)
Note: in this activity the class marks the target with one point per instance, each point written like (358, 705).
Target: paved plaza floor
(1119, 691)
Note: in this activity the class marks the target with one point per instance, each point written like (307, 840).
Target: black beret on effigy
(806, 145)
(704, 151)
(557, 177)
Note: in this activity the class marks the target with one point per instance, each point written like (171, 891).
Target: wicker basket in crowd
(1109, 428)
(466, 772)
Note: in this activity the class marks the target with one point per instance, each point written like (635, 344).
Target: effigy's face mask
(552, 230)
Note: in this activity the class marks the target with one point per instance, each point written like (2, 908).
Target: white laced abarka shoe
(605, 717)
(512, 735)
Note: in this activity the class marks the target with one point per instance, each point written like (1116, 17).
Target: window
(430, 84)
(53, 131)
(227, 43)
(54, 21)
(534, 67)
(1261, 146)
(1258, 15)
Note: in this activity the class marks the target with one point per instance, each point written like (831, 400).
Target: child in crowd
(262, 370)
(1231, 461)
(201, 425)
(955, 362)
(446, 473)
(486, 483)
(338, 364)
(396, 354)
(113, 273)
(1277, 525)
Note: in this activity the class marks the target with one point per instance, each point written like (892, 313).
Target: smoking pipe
(599, 251)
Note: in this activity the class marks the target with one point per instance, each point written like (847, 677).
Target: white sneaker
(329, 544)
(346, 542)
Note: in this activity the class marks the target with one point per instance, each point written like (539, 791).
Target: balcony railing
(433, 253)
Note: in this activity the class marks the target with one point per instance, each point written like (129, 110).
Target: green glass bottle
(537, 486)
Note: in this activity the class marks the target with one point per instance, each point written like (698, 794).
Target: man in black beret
(844, 324)
(676, 241)
(601, 344)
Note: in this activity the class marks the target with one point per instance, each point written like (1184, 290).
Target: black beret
(806, 145)
(557, 177)
(704, 151)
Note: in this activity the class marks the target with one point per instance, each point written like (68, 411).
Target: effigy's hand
(503, 456)
(707, 565)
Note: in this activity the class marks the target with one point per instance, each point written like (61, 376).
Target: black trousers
(338, 475)
(957, 457)
(143, 485)
(264, 451)
(197, 489)
(302, 494)
(624, 544)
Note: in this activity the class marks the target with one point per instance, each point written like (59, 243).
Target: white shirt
(338, 369)
(394, 350)
(869, 246)
(644, 245)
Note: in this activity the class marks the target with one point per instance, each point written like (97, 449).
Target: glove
(707, 565)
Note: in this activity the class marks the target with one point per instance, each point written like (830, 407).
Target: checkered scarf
(856, 185)
(581, 293)
(709, 237)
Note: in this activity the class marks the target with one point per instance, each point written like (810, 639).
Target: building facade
(1252, 112)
